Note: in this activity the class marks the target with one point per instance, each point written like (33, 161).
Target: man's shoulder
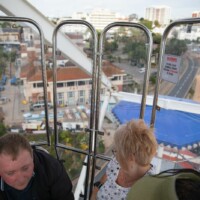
(42, 156)
(44, 163)
(39, 149)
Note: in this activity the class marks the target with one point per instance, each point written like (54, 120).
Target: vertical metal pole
(90, 153)
(162, 52)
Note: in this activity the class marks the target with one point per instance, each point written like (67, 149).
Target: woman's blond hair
(136, 139)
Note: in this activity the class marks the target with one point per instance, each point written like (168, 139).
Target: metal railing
(188, 22)
(43, 66)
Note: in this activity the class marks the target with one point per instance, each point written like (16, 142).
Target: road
(132, 70)
(13, 108)
(184, 84)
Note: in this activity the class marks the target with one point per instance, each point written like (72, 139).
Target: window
(71, 98)
(70, 94)
(38, 85)
(59, 84)
(90, 82)
(81, 82)
(81, 98)
(81, 93)
(60, 98)
(70, 84)
(114, 78)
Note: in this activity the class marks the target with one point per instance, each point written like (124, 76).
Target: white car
(142, 70)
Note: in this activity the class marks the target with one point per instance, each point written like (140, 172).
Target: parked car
(142, 70)
(4, 79)
(2, 88)
(4, 100)
(13, 81)
(39, 106)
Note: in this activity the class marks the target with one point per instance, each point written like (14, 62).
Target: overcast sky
(59, 8)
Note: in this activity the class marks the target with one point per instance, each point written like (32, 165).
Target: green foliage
(135, 50)
(10, 56)
(176, 47)
(156, 38)
(78, 140)
(68, 161)
(156, 23)
(64, 134)
(2, 129)
(111, 46)
(5, 25)
(110, 57)
(6, 57)
(73, 162)
(147, 23)
(101, 147)
(153, 79)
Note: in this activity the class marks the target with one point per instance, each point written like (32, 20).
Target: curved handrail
(162, 50)
(91, 129)
(43, 65)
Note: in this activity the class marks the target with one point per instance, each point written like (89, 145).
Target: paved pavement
(13, 109)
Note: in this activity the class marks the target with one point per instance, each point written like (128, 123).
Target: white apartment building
(74, 28)
(160, 13)
(100, 18)
(196, 14)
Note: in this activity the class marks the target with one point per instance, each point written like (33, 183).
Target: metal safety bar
(42, 60)
(99, 69)
(91, 129)
(95, 100)
(188, 21)
(149, 52)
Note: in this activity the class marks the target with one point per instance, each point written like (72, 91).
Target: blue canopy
(175, 128)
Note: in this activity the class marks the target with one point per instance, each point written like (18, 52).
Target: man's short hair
(182, 185)
(188, 189)
(13, 143)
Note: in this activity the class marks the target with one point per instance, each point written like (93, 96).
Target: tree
(5, 25)
(110, 46)
(2, 129)
(156, 38)
(136, 51)
(156, 23)
(3, 60)
(147, 23)
(176, 47)
(156, 41)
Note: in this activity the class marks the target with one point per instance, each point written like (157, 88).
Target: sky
(62, 8)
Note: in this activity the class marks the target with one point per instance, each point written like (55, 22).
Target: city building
(100, 18)
(162, 14)
(73, 84)
(196, 14)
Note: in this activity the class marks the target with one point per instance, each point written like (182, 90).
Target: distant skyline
(62, 8)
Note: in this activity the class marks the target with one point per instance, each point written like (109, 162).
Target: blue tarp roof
(175, 128)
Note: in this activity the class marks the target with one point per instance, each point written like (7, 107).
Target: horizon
(51, 8)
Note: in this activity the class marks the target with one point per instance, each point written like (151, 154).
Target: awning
(172, 128)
